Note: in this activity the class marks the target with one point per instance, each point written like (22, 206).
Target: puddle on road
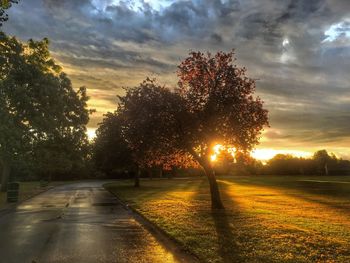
(104, 204)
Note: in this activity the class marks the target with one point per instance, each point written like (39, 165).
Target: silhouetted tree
(110, 149)
(219, 100)
(148, 125)
(323, 159)
(38, 106)
(341, 167)
(213, 104)
(285, 164)
(111, 152)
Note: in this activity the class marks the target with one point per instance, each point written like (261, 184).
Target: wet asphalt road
(79, 222)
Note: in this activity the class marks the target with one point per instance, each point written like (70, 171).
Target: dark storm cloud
(303, 72)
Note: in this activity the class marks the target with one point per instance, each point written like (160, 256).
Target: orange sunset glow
(258, 154)
(176, 131)
(302, 119)
(262, 154)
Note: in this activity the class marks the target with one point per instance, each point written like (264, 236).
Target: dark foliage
(4, 5)
(43, 119)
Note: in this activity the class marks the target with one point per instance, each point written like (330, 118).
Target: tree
(120, 145)
(285, 164)
(219, 99)
(110, 150)
(38, 106)
(213, 104)
(148, 124)
(4, 5)
(323, 159)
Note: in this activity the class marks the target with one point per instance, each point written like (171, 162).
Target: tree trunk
(49, 178)
(173, 171)
(150, 173)
(6, 170)
(161, 171)
(216, 202)
(326, 169)
(137, 177)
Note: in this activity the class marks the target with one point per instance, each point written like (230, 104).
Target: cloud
(299, 50)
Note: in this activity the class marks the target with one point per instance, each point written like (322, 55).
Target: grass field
(267, 219)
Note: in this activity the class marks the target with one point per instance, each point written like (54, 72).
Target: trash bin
(12, 192)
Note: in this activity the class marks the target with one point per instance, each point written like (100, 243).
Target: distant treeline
(321, 163)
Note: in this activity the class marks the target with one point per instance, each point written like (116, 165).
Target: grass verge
(267, 219)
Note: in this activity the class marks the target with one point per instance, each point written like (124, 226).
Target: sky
(298, 50)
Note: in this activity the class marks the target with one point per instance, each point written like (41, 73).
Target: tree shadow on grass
(227, 240)
(227, 223)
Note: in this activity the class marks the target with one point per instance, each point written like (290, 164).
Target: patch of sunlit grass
(271, 219)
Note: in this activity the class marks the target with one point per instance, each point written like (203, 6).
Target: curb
(166, 239)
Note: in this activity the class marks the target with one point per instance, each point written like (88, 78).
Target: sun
(91, 133)
(219, 148)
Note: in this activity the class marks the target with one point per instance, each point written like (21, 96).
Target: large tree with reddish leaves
(219, 98)
(214, 103)
(148, 114)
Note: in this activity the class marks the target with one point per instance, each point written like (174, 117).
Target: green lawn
(267, 219)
